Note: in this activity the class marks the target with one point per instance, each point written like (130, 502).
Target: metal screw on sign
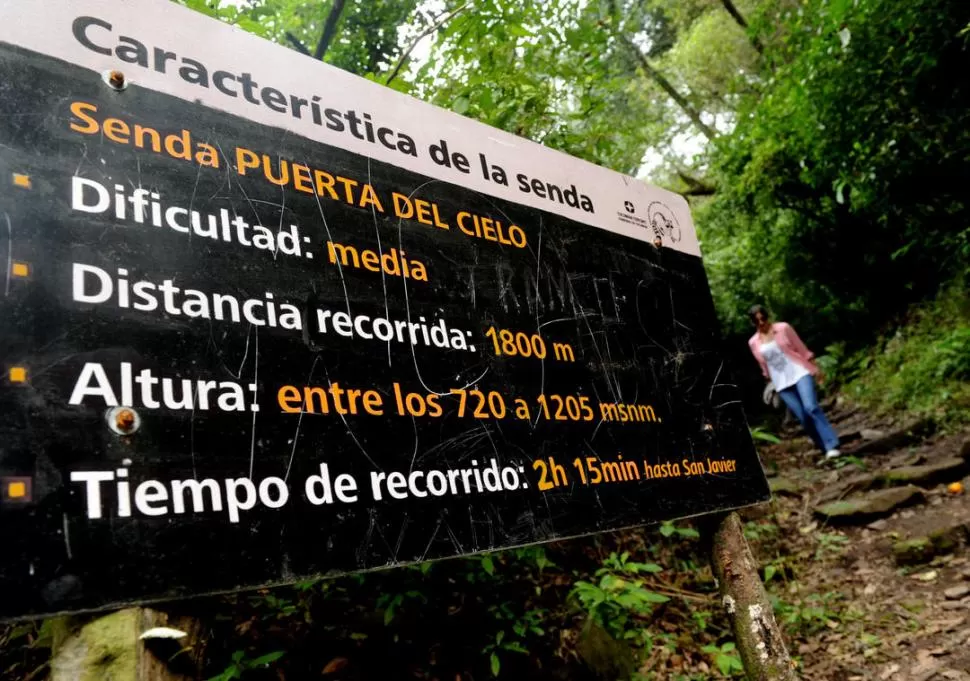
(123, 420)
(115, 79)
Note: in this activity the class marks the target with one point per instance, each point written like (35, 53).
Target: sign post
(759, 638)
(264, 320)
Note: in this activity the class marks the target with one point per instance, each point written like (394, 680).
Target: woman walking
(789, 365)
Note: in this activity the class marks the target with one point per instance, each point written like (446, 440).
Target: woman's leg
(793, 401)
(813, 412)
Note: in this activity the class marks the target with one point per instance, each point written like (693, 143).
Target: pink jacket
(790, 344)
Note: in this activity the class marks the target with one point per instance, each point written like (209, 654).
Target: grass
(922, 368)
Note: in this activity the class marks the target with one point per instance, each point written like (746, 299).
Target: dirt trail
(869, 554)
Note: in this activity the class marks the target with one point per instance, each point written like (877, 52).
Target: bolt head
(123, 420)
(115, 79)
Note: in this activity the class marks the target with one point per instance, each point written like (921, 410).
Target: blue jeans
(801, 400)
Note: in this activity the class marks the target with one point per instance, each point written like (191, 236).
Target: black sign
(236, 357)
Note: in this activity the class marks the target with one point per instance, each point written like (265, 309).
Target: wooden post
(759, 639)
(110, 647)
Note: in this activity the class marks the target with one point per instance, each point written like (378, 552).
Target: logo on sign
(663, 222)
(629, 207)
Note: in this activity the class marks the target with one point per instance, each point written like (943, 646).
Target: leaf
(496, 664)
(391, 609)
(488, 565)
(518, 30)
(653, 597)
(758, 434)
(335, 665)
(460, 105)
(770, 571)
(266, 659)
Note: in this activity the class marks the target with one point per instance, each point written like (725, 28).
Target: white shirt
(784, 372)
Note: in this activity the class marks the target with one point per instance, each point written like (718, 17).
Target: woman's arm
(759, 358)
(798, 344)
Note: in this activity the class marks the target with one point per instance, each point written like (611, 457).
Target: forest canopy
(823, 143)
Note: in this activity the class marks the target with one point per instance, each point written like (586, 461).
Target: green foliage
(725, 658)
(619, 598)
(391, 602)
(830, 543)
(548, 71)
(763, 435)
(758, 531)
(669, 529)
(849, 460)
(923, 367)
(241, 664)
(368, 37)
(840, 180)
(493, 648)
(809, 615)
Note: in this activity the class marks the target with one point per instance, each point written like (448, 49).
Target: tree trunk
(329, 29)
(756, 632)
(740, 20)
(109, 647)
(668, 87)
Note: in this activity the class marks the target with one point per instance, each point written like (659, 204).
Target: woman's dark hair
(755, 310)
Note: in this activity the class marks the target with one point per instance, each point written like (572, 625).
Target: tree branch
(414, 43)
(668, 87)
(695, 187)
(297, 44)
(699, 191)
(329, 28)
(739, 18)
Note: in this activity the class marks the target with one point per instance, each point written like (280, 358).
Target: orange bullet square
(21, 180)
(17, 489)
(18, 375)
(20, 269)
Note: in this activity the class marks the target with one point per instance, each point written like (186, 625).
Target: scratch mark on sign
(592, 337)
(67, 536)
(299, 420)
(643, 327)
(368, 535)
(380, 251)
(236, 375)
(6, 291)
(453, 538)
(400, 536)
(407, 306)
(343, 418)
(414, 454)
(464, 443)
(252, 437)
(714, 384)
(542, 361)
(326, 226)
(434, 534)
